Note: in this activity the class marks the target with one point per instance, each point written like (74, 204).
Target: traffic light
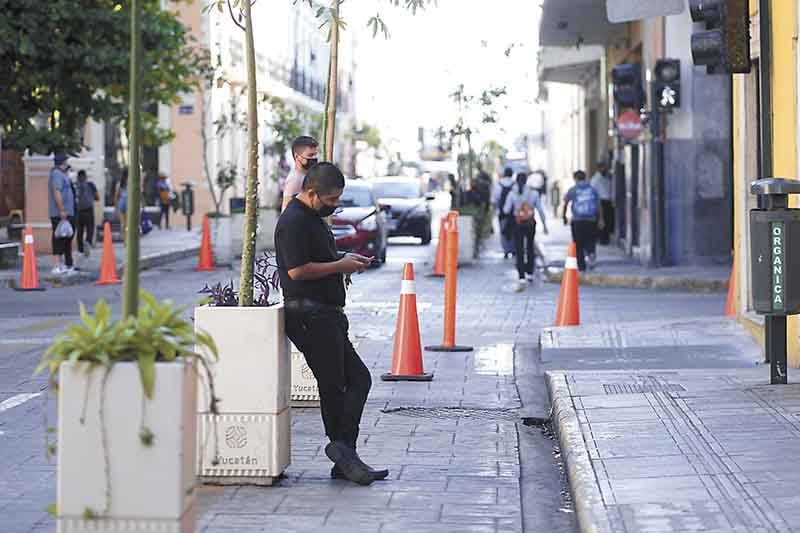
(628, 91)
(667, 80)
(724, 46)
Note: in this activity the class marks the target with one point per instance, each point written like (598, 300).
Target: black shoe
(377, 475)
(348, 462)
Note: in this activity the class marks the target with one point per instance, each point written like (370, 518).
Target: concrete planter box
(221, 240)
(152, 488)
(253, 381)
(237, 234)
(305, 390)
(265, 238)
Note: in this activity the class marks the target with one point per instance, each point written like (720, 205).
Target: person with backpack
(164, 197)
(499, 196)
(86, 195)
(586, 218)
(522, 204)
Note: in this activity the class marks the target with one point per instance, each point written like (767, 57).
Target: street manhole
(642, 388)
(441, 413)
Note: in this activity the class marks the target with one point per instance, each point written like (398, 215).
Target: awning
(574, 23)
(568, 64)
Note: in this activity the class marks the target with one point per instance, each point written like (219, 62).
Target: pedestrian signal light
(667, 79)
(628, 91)
(724, 46)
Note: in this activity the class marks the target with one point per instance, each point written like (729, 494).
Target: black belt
(306, 304)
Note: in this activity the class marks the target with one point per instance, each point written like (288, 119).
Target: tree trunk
(130, 295)
(206, 104)
(329, 127)
(251, 187)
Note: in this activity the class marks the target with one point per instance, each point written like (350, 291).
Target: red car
(359, 225)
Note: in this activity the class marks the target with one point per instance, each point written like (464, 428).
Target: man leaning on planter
(312, 273)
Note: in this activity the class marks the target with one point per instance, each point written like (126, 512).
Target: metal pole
(774, 326)
(656, 178)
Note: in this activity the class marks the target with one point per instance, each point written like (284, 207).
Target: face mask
(326, 210)
(310, 163)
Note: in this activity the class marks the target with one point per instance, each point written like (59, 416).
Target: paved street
(460, 458)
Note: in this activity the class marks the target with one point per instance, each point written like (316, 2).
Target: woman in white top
(523, 202)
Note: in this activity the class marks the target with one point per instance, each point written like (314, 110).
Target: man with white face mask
(523, 202)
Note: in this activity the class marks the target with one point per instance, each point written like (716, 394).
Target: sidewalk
(615, 269)
(157, 248)
(687, 450)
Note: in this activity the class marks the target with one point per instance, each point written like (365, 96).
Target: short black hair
(304, 141)
(508, 172)
(324, 178)
(81, 173)
(579, 175)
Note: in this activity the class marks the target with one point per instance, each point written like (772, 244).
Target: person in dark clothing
(87, 195)
(313, 275)
(61, 207)
(164, 198)
(587, 217)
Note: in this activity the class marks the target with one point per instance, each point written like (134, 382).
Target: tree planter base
(122, 525)
(151, 488)
(252, 449)
(305, 391)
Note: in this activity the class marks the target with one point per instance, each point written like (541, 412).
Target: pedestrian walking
(61, 209)
(121, 202)
(87, 196)
(313, 275)
(601, 182)
(505, 220)
(522, 203)
(304, 153)
(586, 218)
(164, 199)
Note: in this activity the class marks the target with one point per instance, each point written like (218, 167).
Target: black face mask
(326, 210)
(310, 163)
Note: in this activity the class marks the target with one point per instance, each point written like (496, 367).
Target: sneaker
(87, 252)
(592, 261)
(58, 270)
(520, 286)
(69, 270)
(529, 277)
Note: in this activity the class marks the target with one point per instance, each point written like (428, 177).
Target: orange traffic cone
(206, 254)
(108, 263)
(730, 305)
(441, 250)
(407, 358)
(568, 311)
(30, 274)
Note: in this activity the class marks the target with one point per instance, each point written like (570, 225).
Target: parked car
(359, 225)
(406, 205)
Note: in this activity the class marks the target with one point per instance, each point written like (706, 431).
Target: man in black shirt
(312, 277)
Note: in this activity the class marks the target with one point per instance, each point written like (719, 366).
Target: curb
(646, 282)
(589, 507)
(85, 276)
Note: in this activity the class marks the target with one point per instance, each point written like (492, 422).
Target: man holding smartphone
(313, 273)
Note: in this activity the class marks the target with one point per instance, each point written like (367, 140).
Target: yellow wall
(784, 138)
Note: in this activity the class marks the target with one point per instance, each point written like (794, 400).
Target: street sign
(629, 125)
(628, 10)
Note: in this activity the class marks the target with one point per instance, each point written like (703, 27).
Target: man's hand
(352, 263)
(62, 214)
(546, 231)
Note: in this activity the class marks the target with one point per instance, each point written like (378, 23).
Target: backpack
(504, 192)
(85, 195)
(584, 205)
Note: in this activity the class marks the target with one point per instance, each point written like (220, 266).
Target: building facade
(672, 182)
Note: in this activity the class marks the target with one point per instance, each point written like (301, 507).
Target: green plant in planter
(156, 333)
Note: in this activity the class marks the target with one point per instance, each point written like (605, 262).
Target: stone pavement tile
(643, 467)
(433, 500)
(437, 528)
(262, 522)
(675, 516)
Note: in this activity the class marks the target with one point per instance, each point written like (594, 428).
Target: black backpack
(504, 192)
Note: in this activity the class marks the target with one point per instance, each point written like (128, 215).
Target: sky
(405, 81)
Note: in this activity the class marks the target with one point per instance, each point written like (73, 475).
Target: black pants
(344, 380)
(523, 244)
(164, 214)
(85, 227)
(62, 246)
(584, 234)
(608, 218)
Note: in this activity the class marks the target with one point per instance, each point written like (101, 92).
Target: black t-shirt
(302, 237)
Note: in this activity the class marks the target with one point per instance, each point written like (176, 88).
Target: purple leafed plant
(266, 281)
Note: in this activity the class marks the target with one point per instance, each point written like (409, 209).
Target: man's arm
(96, 194)
(349, 264)
(538, 205)
(58, 200)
